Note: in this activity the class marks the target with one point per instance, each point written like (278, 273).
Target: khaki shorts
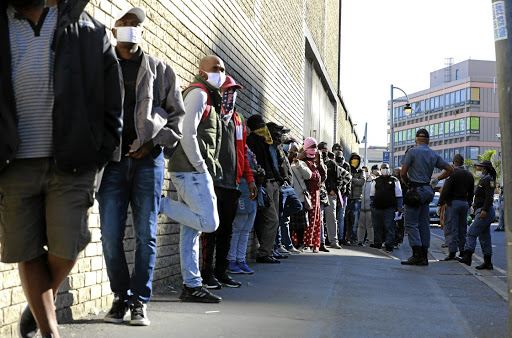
(43, 210)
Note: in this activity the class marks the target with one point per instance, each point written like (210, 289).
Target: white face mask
(385, 172)
(366, 174)
(129, 34)
(216, 79)
(479, 174)
(375, 172)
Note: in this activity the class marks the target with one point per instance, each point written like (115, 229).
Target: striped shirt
(32, 61)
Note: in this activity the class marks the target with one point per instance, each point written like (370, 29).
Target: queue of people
(110, 138)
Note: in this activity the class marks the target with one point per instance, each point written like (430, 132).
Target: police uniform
(481, 228)
(458, 195)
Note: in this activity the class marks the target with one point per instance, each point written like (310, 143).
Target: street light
(407, 110)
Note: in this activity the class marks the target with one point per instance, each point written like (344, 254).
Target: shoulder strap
(208, 108)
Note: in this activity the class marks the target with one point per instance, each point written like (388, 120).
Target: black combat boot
(415, 258)
(424, 256)
(466, 257)
(450, 257)
(487, 264)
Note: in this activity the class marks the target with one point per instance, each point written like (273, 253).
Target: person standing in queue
(484, 216)
(419, 163)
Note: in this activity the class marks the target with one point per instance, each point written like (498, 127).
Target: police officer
(418, 164)
(484, 216)
(458, 195)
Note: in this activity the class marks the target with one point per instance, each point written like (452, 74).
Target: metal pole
(503, 45)
(391, 136)
(365, 143)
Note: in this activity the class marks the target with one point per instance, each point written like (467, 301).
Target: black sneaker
(198, 295)
(389, 248)
(139, 315)
(227, 281)
(27, 325)
(210, 282)
(117, 312)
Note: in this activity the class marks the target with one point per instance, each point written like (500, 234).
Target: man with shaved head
(194, 166)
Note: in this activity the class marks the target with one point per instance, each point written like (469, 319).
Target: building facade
(286, 54)
(460, 111)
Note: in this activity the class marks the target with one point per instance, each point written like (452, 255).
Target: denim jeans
(242, 226)
(341, 219)
(417, 220)
(384, 219)
(196, 211)
(455, 225)
(137, 183)
(352, 218)
(481, 228)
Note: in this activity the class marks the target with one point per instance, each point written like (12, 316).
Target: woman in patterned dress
(314, 163)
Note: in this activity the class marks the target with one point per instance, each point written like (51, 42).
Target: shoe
(465, 257)
(323, 248)
(335, 246)
(376, 246)
(293, 251)
(444, 245)
(315, 250)
(198, 295)
(396, 247)
(227, 281)
(234, 268)
(139, 316)
(360, 244)
(267, 259)
(416, 257)
(307, 249)
(281, 250)
(424, 256)
(499, 229)
(210, 282)
(486, 265)
(117, 311)
(245, 268)
(344, 242)
(277, 255)
(27, 325)
(450, 257)
(389, 248)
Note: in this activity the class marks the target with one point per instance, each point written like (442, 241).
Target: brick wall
(262, 44)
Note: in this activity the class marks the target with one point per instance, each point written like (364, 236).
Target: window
(472, 125)
(404, 135)
(436, 129)
(436, 103)
(452, 99)
(462, 123)
(452, 127)
(457, 126)
(441, 103)
(473, 153)
(409, 134)
(447, 100)
(427, 105)
(441, 129)
(474, 96)
(457, 74)
(447, 128)
(432, 103)
(457, 97)
(396, 137)
(422, 106)
(463, 96)
(431, 130)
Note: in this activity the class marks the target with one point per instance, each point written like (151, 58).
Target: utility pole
(502, 18)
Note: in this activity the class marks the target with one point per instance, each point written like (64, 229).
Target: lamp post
(407, 109)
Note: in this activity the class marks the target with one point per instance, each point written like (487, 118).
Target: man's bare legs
(41, 279)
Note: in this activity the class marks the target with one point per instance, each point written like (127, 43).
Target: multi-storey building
(460, 111)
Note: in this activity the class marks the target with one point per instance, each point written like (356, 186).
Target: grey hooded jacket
(159, 110)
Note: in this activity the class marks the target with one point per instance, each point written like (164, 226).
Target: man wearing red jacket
(235, 164)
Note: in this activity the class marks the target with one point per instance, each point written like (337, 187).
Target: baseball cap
(275, 126)
(422, 133)
(486, 164)
(138, 11)
(230, 82)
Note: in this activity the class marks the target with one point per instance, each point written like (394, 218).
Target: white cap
(138, 11)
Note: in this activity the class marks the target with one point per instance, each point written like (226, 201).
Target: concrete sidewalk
(352, 292)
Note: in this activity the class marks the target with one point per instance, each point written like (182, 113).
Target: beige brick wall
(262, 44)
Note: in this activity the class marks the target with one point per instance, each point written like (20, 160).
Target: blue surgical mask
(286, 147)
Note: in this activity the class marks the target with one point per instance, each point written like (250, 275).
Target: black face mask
(27, 4)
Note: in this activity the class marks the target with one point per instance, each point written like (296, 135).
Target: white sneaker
(307, 249)
(282, 250)
(294, 251)
(138, 314)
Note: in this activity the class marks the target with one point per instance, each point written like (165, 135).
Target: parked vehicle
(434, 218)
(496, 204)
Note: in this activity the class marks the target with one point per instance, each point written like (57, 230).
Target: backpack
(208, 108)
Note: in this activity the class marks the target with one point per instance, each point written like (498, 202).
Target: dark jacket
(87, 111)
(356, 186)
(458, 186)
(334, 180)
(260, 149)
(484, 193)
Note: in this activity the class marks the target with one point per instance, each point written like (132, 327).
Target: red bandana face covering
(228, 105)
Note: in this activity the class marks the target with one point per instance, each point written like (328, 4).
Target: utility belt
(417, 184)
